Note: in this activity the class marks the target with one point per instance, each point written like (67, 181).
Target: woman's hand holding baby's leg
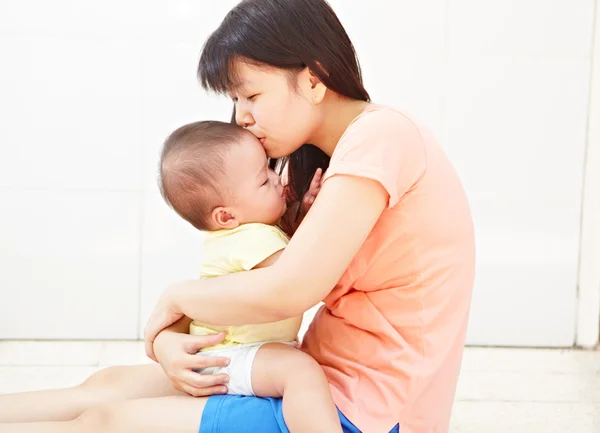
(282, 371)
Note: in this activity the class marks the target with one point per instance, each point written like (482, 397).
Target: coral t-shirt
(390, 336)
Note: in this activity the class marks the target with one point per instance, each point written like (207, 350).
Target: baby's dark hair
(192, 165)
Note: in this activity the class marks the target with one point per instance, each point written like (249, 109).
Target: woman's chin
(277, 152)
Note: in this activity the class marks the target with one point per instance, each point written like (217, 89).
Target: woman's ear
(224, 218)
(316, 88)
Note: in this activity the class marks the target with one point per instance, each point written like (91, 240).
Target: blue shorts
(239, 414)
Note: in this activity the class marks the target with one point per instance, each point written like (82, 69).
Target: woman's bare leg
(174, 414)
(111, 384)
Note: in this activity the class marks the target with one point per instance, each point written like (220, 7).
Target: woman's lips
(262, 140)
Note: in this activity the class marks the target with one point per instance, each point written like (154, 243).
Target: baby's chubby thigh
(262, 369)
(280, 367)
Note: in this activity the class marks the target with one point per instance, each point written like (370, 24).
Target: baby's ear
(224, 218)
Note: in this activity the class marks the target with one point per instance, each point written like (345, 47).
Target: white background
(88, 91)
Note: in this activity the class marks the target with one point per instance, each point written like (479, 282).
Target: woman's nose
(243, 116)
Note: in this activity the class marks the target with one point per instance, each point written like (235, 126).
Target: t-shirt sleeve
(255, 243)
(385, 146)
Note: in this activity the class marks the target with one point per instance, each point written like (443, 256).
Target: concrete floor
(500, 390)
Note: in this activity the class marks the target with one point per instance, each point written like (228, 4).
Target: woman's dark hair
(291, 35)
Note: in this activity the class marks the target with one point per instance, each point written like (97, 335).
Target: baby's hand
(313, 191)
(298, 209)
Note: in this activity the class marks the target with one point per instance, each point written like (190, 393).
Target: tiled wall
(88, 90)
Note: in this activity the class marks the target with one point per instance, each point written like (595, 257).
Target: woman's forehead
(244, 73)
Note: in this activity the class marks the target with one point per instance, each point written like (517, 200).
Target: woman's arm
(338, 223)
(182, 326)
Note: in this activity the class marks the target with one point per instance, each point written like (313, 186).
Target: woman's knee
(108, 376)
(101, 418)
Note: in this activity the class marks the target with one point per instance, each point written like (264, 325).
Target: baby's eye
(265, 182)
(253, 97)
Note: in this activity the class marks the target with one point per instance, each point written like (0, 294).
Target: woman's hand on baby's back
(176, 353)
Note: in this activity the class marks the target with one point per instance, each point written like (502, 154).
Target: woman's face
(282, 116)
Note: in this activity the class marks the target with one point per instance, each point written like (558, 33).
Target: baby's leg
(282, 371)
(109, 385)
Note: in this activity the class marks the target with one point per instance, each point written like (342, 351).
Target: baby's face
(256, 190)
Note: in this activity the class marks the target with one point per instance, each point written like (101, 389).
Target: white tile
(123, 353)
(49, 353)
(498, 360)
(502, 98)
(21, 379)
(525, 286)
(529, 386)
(525, 417)
(515, 113)
(171, 252)
(403, 68)
(71, 264)
(76, 123)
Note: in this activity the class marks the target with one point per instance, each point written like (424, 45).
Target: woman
(387, 244)
(390, 230)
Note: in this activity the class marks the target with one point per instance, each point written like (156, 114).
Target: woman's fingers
(201, 361)
(195, 343)
(202, 392)
(197, 384)
(199, 380)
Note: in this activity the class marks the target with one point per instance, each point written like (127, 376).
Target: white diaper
(240, 368)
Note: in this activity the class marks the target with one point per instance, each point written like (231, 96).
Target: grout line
(587, 331)
(140, 265)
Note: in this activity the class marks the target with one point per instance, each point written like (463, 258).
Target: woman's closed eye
(235, 99)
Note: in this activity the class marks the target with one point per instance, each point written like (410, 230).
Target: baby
(215, 176)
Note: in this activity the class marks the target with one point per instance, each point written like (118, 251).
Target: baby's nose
(274, 176)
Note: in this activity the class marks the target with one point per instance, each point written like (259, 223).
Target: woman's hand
(165, 314)
(176, 353)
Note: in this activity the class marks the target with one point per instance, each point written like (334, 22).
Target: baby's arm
(282, 371)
